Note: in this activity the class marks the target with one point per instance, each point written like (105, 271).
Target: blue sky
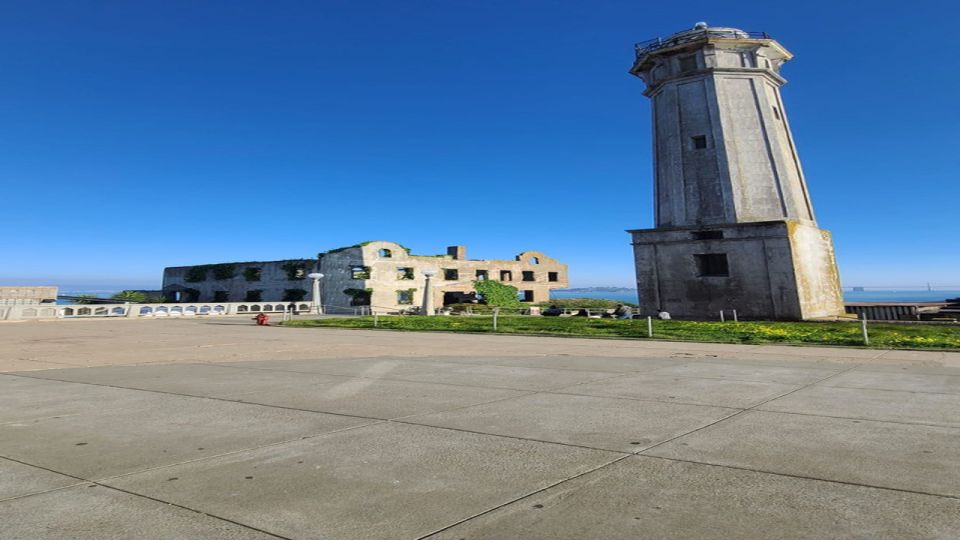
(138, 135)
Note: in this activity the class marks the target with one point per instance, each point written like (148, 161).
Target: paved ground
(196, 429)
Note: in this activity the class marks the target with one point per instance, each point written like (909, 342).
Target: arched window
(386, 253)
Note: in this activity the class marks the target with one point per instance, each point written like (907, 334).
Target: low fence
(197, 309)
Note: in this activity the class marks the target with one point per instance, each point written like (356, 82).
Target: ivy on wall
(295, 269)
(223, 271)
(195, 274)
(251, 273)
(405, 296)
(497, 294)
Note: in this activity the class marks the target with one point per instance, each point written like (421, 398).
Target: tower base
(780, 270)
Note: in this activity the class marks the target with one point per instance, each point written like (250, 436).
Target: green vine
(196, 274)
(405, 296)
(295, 269)
(497, 294)
(223, 271)
(252, 273)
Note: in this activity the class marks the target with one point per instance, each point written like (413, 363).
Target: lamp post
(427, 295)
(317, 302)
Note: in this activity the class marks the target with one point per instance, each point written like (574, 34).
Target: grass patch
(887, 336)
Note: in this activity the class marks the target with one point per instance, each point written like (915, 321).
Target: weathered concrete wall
(761, 282)
(387, 280)
(818, 279)
(27, 295)
(723, 149)
(381, 261)
(725, 160)
(273, 281)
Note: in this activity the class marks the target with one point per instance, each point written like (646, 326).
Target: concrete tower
(735, 227)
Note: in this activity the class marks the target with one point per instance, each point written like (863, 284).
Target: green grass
(891, 336)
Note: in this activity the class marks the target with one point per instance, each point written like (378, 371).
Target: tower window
(451, 274)
(553, 276)
(712, 265)
(688, 63)
(776, 113)
(699, 142)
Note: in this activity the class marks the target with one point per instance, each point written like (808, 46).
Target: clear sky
(138, 135)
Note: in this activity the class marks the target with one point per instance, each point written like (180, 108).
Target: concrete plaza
(217, 428)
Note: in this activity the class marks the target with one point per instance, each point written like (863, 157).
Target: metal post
(376, 319)
(863, 325)
(496, 312)
(649, 326)
(735, 316)
(721, 316)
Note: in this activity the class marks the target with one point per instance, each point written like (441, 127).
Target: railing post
(496, 313)
(863, 326)
(649, 326)
(376, 319)
(721, 316)
(735, 316)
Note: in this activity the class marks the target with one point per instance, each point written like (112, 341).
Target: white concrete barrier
(145, 311)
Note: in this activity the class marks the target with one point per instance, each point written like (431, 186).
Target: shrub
(590, 303)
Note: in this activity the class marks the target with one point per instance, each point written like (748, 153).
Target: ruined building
(382, 275)
(734, 224)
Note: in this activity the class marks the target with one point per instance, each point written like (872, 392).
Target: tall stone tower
(735, 227)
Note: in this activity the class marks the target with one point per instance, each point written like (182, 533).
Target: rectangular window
(528, 276)
(405, 297)
(451, 274)
(221, 296)
(525, 296)
(688, 63)
(712, 265)
(255, 295)
(482, 275)
(360, 272)
(699, 142)
(707, 235)
(506, 275)
(553, 276)
(776, 113)
(404, 273)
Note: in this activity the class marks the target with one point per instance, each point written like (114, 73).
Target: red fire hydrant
(261, 319)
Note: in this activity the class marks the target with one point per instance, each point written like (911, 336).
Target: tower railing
(654, 44)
